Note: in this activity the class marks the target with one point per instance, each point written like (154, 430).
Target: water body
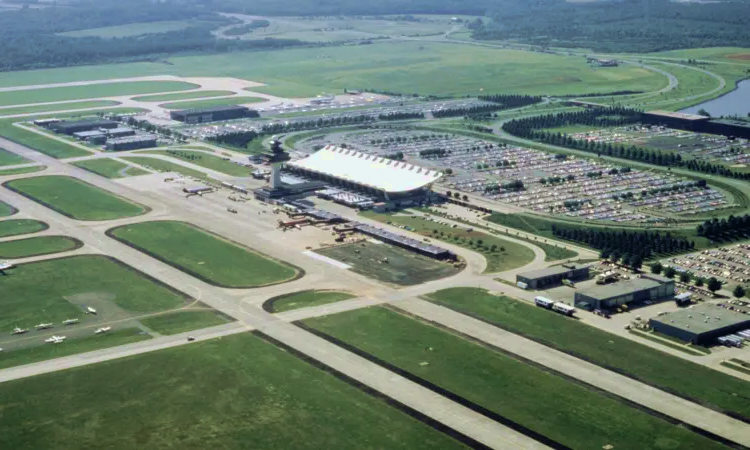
(732, 103)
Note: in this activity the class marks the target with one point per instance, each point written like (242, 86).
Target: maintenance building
(550, 276)
(701, 324)
(213, 114)
(120, 132)
(646, 287)
(131, 142)
(94, 137)
(75, 126)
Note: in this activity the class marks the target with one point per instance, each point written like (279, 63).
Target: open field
(724, 54)
(38, 353)
(304, 299)
(21, 170)
(41, 245)
(506, 256)
(60, 94)
(184, 320)
(204, 255)
(75, 198)
(190, 104)
(181, 96)
(57, 107)
(160, 165)
(9, 159)
(673, 374)
(15, 227)
(132, 29)
(42, 144)
(563, 411)
(259, 383)
(6, 209)
(403, 268)
(207, 160)
(110, 168)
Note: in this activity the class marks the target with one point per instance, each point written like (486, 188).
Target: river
(732, 103)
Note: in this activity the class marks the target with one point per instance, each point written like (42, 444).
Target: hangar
(213, 114)
(647, 287)
(543, 278)
(701, 324)
(372, 174)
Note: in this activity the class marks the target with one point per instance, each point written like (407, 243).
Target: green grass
(38, 142)
(230, 393)
(42, 291)
(186, 320)
(16, 227)
(75, 198)
(182, 96)
(680, 348)
(404, 268)
(674, 374)
(21, 170)
(6, 210)
(514, 256)
(212, 102)
(109, 168)
(165, 166)
(207, 160)
(60, 94)
(58, 107)
(131, 29)
(10, 159)
(204, 255)
(30, 355)
(304, 299)
(41, 245)
(561, 410)
(735, 367)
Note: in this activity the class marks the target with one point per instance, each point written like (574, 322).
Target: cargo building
(552, 276)
(647, 287)
(701, 324)
(76, 126)
(131, 143)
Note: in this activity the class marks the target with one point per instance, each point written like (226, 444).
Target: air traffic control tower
(276, 158)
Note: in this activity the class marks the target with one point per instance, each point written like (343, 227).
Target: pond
(732, 103)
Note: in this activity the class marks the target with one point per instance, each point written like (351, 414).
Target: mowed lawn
(21, 170)
(182, 96)
(561, 410)
(304, 299)
(212, 102)
(36, 292)
(185, 320)
(40, 245)
(15, 227)
(57, 107)
(8, 158)
(75, 198)
(6, 209)
(233, 393)
(671, 373)
(204, 255)
(110, 168)
(161, 165)
(204, 159)
(61, 94)
(42, 144)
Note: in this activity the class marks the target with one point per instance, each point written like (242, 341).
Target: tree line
(401, 116)
(731, 228)
(511, 100)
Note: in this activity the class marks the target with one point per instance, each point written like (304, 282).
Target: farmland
(64, 194)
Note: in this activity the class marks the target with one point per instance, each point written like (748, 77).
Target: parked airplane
(90, 310)
(102, 330)
(70, 322)
(55, 340)
(43, 326)
(19, 330)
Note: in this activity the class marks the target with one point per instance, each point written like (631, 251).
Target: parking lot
(730, 264)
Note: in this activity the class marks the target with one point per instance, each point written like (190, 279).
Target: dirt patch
(739, 56)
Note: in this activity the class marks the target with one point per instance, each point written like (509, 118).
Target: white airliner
(90, 310)
(70, 322)
(55, 340)
(102, 330)
(43, 326)
(19, 330)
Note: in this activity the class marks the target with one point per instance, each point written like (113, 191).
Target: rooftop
(367, 170)
(550, 271)
(210, 109)
(139, 138)
(608, 291)
(677, 115)
(703, 318)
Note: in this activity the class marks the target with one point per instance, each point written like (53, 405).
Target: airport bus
(562, 308)
(544, 302)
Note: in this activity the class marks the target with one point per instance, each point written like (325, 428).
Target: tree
(685, 277)
(636, 262)
(738, 292)
(703, 112)
(713, 284)
(669, 272)
(466, 198)
(699, 282)
(656, 268)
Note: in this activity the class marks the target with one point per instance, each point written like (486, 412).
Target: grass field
(15, 227)
(75, 198)
(71, 347)
(41, 245)
(651, 366)
(404, 268)
(561, 410)
(9, 159)
(185, 320)
(35, 141)
(304, 299)
(212, 102)
(506, 256)
(222, 393)
(182, 96)
(204, 255)
(61, 94)
(164, 166)
(58, 107)
(207, 160)
(6, 209)
(131, 29)
(110, 168)
(21, 170)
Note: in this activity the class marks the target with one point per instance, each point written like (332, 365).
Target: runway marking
(330, 261)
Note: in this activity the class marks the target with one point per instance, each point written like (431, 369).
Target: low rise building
(552, 276)
(611, 296)
(131, 143)
(701, 324)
